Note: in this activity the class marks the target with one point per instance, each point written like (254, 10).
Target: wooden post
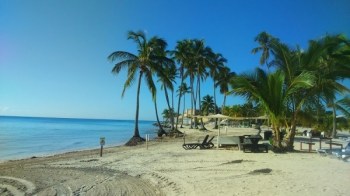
(102, 143)
(147, 141)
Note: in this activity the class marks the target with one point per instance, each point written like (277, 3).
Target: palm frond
(121, 55)
(123, 64)
(132, 70)
(150, 84)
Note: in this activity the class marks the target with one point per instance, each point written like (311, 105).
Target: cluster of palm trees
(195, 60)
(298, 79)
(294, 78)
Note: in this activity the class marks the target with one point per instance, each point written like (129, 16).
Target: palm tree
(224, 80)
(167, 114)
(144, 64)
(182, 56)
(208, 105)
(167, 80)
(271, 91)
(182, 91)
(329, 58)
(264, 39)
(217, 64)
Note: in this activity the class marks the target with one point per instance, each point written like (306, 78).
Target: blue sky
(53, 53)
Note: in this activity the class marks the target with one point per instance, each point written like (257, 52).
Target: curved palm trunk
(136, 138)
(161, 130)
(170, 109)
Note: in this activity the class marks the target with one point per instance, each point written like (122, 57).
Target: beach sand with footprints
(165, 168)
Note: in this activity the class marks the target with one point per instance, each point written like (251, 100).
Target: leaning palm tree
(271, 91)
(141, 65)
(167, 78)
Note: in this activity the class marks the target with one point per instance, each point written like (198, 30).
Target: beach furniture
(251, 143)
(228, 141)
(345, 152)
(206, 144)
(309, 142)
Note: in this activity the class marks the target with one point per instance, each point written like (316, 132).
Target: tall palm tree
(183, 56)
(167, 80)
(144, 64)
(271, 91)
(202, 61)
(264, 39)
(217, 64)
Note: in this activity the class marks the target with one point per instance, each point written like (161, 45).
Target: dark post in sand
(102, 143)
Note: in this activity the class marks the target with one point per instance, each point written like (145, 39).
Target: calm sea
(23, 137)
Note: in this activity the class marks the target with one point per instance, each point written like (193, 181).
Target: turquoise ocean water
(23, 137)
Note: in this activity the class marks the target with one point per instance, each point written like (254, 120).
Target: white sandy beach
(165, 168)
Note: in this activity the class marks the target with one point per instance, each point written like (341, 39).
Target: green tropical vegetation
(297, 87)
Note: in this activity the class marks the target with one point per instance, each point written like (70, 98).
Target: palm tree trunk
(172, 100)
(178, 111)
(277, 137)
(179, 100)
(161, 130)
(183, 113)
(170, 109)
(334, 131)
(192, 103)
(289, 138)
(216, 109)
(224, 103)
(200, 107)
(136, 138)
(136, 131)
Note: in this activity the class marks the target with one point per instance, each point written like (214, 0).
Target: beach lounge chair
(345, 151)
(207, 145)
(336, 152)
(204, 145)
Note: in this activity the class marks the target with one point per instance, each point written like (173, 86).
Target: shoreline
(167, 169)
